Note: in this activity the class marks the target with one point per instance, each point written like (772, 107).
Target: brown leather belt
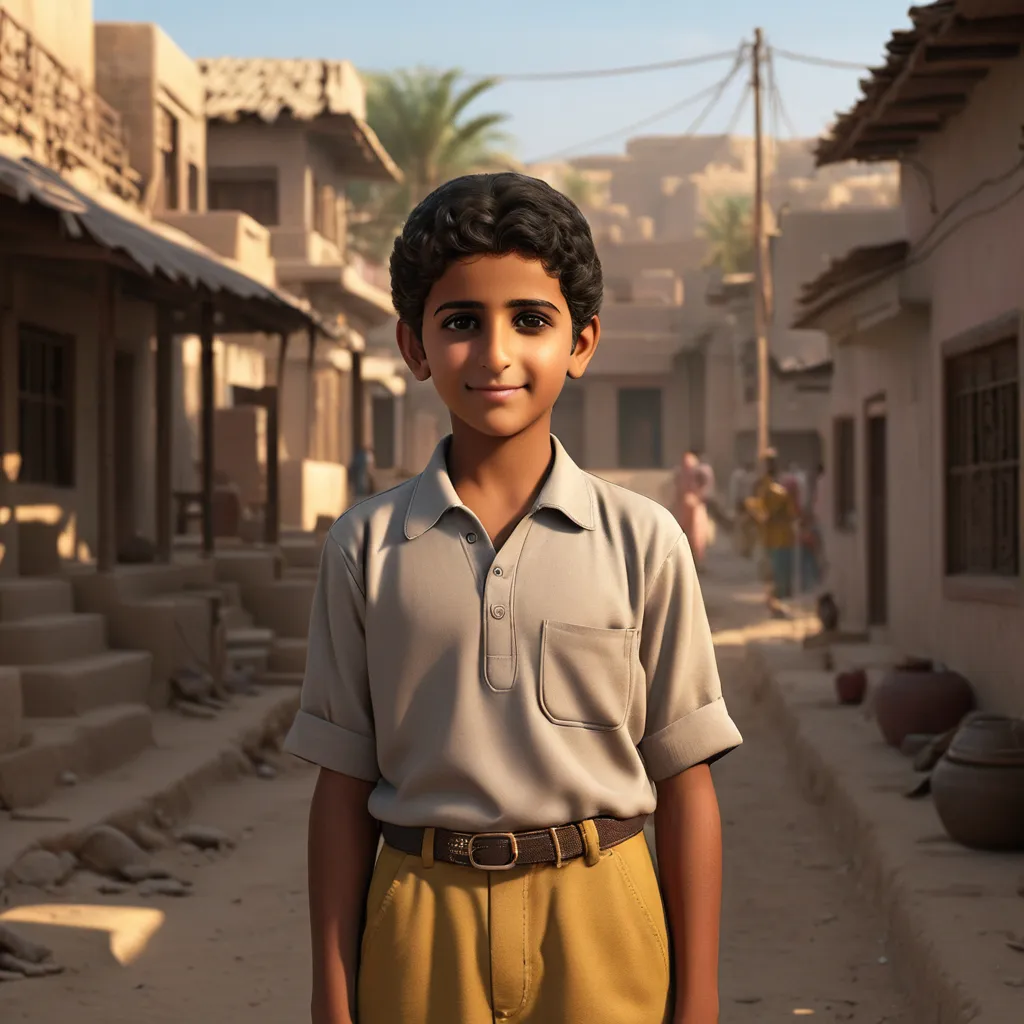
(499, 851)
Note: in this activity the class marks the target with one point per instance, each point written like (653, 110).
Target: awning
(151, 249)
(857, 270)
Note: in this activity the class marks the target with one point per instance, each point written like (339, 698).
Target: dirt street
(797, 938)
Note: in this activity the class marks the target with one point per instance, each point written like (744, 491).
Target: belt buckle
(510, 836)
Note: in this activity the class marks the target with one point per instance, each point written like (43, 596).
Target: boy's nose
(495, 348)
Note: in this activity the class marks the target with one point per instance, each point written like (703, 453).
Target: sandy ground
(798, 939)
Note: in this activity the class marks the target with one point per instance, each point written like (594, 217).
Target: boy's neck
(499, 475)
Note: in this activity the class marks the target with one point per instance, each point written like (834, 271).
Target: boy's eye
(460, 322)
(531, 321)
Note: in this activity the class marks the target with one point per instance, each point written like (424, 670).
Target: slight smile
(497, 391)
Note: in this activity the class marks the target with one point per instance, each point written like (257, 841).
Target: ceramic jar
(918, 698)
(851, 686)
(978, 785)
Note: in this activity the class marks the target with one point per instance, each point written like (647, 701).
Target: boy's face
(497, 343)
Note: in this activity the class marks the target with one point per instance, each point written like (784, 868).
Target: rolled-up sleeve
(334, 725)
(687, 720)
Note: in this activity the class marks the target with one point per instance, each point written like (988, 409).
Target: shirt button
(470, 538)
(498, 611)
(498, 571)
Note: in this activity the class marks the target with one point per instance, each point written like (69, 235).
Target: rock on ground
(108, 851)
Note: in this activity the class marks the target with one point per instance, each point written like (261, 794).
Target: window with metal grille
(45, 407)
(844, 471)
(983, 461)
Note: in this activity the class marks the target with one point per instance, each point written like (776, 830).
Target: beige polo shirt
(546, 683)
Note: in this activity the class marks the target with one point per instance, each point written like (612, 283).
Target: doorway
(876, 496)
(124, 446)
(640, 428)
(382, 414)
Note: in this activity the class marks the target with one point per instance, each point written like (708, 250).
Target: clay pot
(851, 686)
(978, 785)
(917, 698)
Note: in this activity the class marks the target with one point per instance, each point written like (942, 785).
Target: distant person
(774, 510)
(691, 505)
(741, 487)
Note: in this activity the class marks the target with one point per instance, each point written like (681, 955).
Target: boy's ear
(412, 351)
(586, 346)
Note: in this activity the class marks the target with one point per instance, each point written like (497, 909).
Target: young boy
(504, 653)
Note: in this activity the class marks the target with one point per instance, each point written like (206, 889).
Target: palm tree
(728, 230)
(418, 116)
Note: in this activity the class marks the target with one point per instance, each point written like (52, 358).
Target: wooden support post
(164, 432)
(310, 389)
(272, 513)
(358, 406)
(206, 425)
(106, 524)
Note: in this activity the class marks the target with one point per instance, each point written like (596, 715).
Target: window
(844, 472)
(983, 461)
(255, 196)
(167, 144)
(193, 188)
(45, 411)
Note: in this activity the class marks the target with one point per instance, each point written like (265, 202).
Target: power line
(631, 69)
(714, 91)
(740, 107)
(741, 56)
(821, 62)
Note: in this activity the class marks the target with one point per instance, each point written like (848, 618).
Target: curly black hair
(496, 214)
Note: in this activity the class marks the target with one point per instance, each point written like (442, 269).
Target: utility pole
(761, 265)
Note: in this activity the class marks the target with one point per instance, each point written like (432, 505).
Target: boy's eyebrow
(511, 304)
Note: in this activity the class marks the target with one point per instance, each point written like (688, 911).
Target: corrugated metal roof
(928, 75)
(847, 275)
(154, 248)
(307, 90)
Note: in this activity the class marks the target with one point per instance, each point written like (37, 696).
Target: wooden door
(124, 445)
(640, 428)
(876, 502)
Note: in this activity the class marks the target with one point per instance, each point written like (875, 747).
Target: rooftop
(928, 75)
(316, 91)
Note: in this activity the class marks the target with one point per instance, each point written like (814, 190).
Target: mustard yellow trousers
(583, 943)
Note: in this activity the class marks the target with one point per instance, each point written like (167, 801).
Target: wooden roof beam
(945, 103)
(887, 128)
(970, 53)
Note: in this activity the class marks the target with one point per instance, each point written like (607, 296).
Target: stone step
(251, 637)
(254, 658)
(246, 567)
(301, 552)
(45, 639)
(290, 573)
(283, 606)
(235, 617)
(97, 742)
(25, 597)
(81, 685)
(10, 710)
(288, 654)
(280, 679)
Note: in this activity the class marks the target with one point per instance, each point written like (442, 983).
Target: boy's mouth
(498, 390)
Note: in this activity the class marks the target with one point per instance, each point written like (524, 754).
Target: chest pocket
(586, 674)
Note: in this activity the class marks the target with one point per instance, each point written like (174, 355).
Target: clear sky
(521, 36)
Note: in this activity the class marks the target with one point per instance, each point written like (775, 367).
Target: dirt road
(797, 938)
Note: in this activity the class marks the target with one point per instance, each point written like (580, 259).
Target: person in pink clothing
(692, 485)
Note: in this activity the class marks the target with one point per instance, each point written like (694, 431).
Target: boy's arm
(688, 834)
(688, 726)
(334, 729)
(342, 846)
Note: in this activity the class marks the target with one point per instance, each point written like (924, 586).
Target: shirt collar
(566, 489)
